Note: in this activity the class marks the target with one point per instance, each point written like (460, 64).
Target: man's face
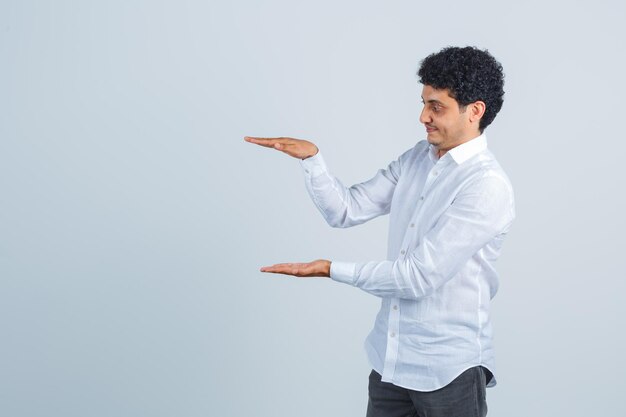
(446, 125)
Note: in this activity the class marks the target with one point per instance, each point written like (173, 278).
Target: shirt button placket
(391, 355)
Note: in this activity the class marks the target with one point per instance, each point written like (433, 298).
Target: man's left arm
(480, 212)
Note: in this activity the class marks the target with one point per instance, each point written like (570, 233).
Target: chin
(432, 140)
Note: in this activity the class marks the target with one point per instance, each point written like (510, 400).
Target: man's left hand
(318, 268)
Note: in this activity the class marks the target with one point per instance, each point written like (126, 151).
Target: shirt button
(422, 197)
(402, 251)
(412, 224)
(436, 172)
(395, 307)
(392, 334)
(306, 170)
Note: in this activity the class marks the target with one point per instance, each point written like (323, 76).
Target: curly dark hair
(470, 74)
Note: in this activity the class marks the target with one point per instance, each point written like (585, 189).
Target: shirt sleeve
(479, 213)
(343, 206)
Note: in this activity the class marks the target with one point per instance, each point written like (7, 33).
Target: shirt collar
(464, 151)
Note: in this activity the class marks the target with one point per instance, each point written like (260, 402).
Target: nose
(425, 116)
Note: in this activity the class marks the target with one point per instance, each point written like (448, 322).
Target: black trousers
(465, 396)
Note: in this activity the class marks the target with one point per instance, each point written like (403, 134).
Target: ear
(477, 110)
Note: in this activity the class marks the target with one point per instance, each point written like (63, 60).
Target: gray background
(134, 218)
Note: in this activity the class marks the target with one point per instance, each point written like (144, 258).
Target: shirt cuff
(343, 272)
(314, 165)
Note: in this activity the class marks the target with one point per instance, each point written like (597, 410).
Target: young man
(450, 206)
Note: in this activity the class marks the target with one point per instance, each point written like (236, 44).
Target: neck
(442, 151)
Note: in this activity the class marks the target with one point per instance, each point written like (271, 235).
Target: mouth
(430, 129)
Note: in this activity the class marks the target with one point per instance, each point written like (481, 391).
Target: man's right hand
(298, 148)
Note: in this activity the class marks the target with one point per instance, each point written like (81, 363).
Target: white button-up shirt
(448, 219)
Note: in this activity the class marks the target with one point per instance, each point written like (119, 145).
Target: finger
(284, 264)
(295, 269)
(266, 142)
(260, 139)
(286, 269)
(281, 270)
(276, 267)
